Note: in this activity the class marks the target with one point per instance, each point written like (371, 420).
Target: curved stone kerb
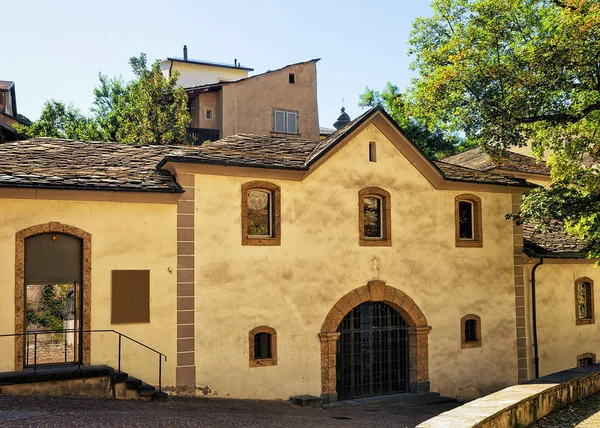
(375, 291)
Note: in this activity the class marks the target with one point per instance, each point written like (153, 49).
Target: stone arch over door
(376, 291)
(52, 227)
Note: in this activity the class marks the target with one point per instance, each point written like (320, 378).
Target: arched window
(584, 301)
(261, 210)
(468, 221)
(262, 343)
(586, 359)
(470, 326)
(374, 219)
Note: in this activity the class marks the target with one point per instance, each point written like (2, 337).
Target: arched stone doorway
(20, 283)
(376, 291)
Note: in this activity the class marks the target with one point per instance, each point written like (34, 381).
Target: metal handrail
(121, 335)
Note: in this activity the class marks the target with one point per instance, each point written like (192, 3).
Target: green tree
(155, 110)
(434, 143)
(150, 109)
(516, 72)
(110, 97)
(61, 121)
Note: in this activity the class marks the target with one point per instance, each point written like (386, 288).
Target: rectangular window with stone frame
(584, 301)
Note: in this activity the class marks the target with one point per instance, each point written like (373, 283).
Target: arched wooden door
(372, 352)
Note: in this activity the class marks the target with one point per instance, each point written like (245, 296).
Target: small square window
(470, 326)
(262, 343)
(285, 122)
(209, 114)
(292, 78)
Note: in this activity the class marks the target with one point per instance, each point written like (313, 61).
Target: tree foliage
(150, 109)
(515, 72)
(433, 142)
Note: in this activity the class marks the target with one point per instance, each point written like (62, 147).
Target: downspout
(170, 67)
(536, 357)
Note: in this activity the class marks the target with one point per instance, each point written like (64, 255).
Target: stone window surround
(51, 227)
(386, 221)
(263, 362)
(276, 194)
(586, 355)
(477, 240)
(475, 344)
(587, 320)
(418, 331)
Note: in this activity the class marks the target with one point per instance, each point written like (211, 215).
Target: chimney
(185, 52)
(235, 62)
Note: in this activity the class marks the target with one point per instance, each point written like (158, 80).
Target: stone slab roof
(5, 85)
(553, 240)
(510, 161)
(67, 164)
(50, 163)
(461, 173)
(250, 150)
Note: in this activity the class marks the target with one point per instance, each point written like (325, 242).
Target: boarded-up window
(130, 296)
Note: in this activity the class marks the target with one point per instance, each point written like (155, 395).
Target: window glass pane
(262, 346)
(259, 213)
(465, 220)
(470, 331)
(291, 122)
(582, 306)
(372, 212)
(279, 125)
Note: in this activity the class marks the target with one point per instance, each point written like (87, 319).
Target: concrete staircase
(73, 381)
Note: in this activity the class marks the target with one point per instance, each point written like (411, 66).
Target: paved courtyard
(214, 412)
(582, 414)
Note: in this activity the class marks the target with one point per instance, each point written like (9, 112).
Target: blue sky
(55, 49)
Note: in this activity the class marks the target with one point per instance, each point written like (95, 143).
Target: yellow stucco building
(273, 266)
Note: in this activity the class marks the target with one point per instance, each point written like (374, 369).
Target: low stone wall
(521, 405)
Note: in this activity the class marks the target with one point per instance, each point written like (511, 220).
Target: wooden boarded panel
(53, 258)
(130, 296)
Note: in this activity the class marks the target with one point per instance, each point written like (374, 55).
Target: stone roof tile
(66, 164)
(508, 161)
(552, 240)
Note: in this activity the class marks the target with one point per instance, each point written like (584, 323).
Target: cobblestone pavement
(214, 412)
(581, 414)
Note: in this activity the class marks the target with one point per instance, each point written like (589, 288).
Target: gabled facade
(278, 266)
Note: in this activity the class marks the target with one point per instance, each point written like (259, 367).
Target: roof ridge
(207, 85)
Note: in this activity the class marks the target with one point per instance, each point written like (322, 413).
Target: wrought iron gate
(372, 352)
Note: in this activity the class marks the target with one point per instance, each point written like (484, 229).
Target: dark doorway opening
(372, 352)
(53, 300)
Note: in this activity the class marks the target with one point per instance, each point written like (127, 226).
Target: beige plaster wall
(291, 288)
(197, 74)
(124, 236)
(248, 105)
(560, 339)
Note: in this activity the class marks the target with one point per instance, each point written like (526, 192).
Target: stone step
(395, 399)
(306, 401)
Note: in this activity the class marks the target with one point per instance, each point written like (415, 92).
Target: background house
(8, 110)
(224, 101)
